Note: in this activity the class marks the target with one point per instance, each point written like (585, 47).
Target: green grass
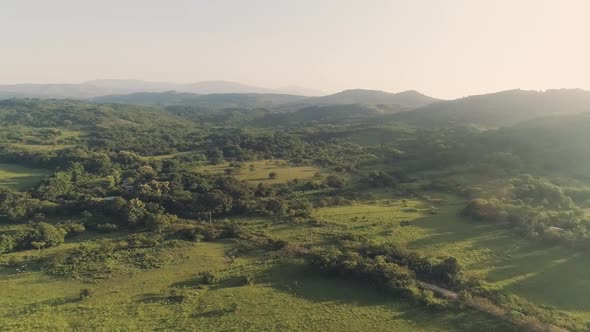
(40, 147)
(19, 177)
(544, 274)
(283, 297)
(262, 169)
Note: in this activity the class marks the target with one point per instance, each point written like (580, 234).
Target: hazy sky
(445, 48)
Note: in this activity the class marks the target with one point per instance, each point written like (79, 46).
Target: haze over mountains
(487, 111)
(284, 102)
(95, 88)
(499, 109)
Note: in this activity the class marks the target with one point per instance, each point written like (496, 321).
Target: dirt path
(439, 290)
(490, 308)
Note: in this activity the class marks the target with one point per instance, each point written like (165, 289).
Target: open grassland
(19, 177)
(258, 171)
(547, 275)
(281, 297)
(39, 139)
(40, 147)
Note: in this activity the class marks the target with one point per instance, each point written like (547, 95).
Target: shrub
(84, 294)
(7, 243)
(72, 228)
(83, 262)
(44, 235)
(248, 280)
(334, 181)
(107, 228)
(141, 241)
(209, 278)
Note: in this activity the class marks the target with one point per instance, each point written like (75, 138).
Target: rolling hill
(95, 88)
(408, 99)
(499, 109)
(213, 101)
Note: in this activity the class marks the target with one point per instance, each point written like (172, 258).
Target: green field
(40, 147)
(20, 177)
(506, 259)
(283, 297)
(261, 170)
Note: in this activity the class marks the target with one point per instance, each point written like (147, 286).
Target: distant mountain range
(281, 102)
(487, 111)
(95, 88)
(409, 99)
(213, 101)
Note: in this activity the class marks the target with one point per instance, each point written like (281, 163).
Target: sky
(443, 48)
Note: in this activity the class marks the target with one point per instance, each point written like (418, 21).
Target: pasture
(40, 147)
(20, 177)
(509, 261)
(282, 296)
(258, 171)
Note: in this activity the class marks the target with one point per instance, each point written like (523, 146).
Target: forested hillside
(499, 109)
(216, 209)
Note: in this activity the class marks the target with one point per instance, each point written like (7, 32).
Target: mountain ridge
(498, 109)
(103, 87)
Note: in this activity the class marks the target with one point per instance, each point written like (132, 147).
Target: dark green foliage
(71, 227)
(209, 278)
(334, 181)
(381, 179)
(390, 268)
(44, 235)
(141, 240)
(107, 228)
(83, 262)
(85, 293)
(7, 243)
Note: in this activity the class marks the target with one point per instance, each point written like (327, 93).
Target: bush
(107, 228)
(334, 181)
(71, 227)
(209, 278)
(248, 280)
(44, 235)
(141, 241)
(7, 243)
(84, 294)
(83, 262)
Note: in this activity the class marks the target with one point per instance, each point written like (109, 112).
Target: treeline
(538, 209)
(391, 268)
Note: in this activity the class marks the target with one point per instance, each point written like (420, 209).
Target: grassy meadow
(19, 177)
(258, 171)
(40, 147)
(506, 259)
(282, 296)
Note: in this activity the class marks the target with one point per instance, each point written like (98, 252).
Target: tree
(334, 181)
(137, 211)
(160, 222)
(99, 163)
(276, 206)
(217, 201)
(57, 186)
(7, 243)
(215, 156)
(447, 270)
(44, 235)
